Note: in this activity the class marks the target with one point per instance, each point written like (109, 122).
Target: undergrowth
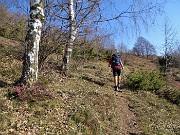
(142, 80)
(36, 92)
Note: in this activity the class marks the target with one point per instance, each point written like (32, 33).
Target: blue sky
(155, 34)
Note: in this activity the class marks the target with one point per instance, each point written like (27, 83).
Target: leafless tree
(138, 11)
(176, 55)
(78, 14)
(130, 15)
(71, 16)
(20, 6)
(169, 41)
(143, 47)
(122, 48)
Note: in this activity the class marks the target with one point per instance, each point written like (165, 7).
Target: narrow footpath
(127, 115)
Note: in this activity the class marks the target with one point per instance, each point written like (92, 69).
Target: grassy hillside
(83, 102)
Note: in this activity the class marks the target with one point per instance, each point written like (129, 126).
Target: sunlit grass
(156, 115)
(84, 102)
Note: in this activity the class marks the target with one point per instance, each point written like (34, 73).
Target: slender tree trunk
(72, 37)
(35, 23)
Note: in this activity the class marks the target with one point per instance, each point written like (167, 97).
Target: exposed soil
(174, 81)
(127, 115)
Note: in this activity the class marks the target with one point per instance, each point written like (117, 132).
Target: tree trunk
(72, 37)
(30, 59)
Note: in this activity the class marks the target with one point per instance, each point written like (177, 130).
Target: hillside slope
(83, 102)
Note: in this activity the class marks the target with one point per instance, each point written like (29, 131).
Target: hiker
(116, 64)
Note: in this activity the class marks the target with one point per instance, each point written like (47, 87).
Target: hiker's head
(116, 54)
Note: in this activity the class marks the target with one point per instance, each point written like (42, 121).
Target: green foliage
(18, 32)
(12, 28)
(3, 32)
(144, 81)
(87, 54)
(85, 50)
(92, 53)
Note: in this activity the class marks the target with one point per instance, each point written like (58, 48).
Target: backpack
(116, 60)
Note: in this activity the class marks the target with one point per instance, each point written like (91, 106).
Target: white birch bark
(30, 63)
(72, 36)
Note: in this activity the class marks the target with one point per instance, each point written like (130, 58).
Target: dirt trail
(127, 115)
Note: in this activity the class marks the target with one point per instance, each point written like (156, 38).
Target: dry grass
(84, 102)
(135, 63)
(157, 116)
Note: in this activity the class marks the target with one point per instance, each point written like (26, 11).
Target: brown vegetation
(83, 102)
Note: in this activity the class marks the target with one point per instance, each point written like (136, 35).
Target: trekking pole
(122, 75)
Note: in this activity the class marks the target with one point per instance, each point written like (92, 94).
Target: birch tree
(78, 14)
(169, 41)
(30, 59)
(72, 15)
(72, 35)
(138, 12)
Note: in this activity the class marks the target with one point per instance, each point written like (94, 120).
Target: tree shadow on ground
(4, 84)
(89, 79)
(10, 95)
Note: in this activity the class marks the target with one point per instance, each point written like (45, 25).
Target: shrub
(144, 81)
(34, 93)
(3, 32)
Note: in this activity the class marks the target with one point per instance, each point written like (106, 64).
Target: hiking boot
(119, 85)
(119, 90)
(116, 88)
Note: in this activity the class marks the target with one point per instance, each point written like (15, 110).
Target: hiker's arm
(122, 64)
(110, 61)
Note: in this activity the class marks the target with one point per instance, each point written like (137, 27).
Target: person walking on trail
(116, 64)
